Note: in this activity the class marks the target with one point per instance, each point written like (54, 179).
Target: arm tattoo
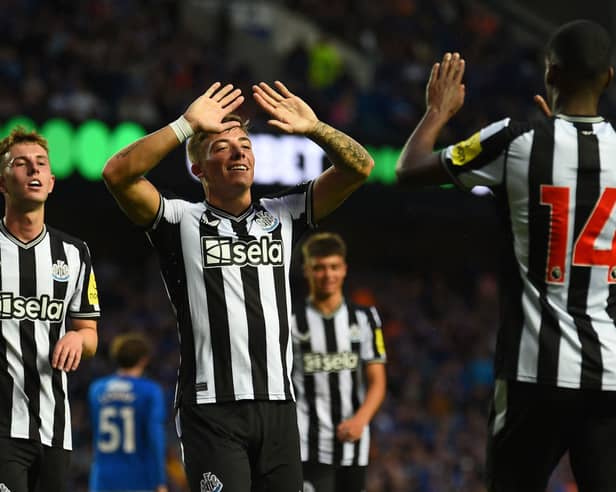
(342, 150)
(129, 149)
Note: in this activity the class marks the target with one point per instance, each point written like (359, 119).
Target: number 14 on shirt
(585, 252)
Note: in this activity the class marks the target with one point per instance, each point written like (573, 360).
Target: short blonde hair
(19, 135)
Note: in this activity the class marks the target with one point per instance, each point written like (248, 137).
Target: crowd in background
(131, 60)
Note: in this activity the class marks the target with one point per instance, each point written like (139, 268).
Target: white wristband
(181, 128)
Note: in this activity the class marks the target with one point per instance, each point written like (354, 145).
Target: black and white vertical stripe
(331, 353)
(228, 280)
(33, 396)
(561, 333)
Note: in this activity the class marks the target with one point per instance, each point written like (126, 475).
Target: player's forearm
(344, 152)
(417, 160)
(132, 162)
(90, 341)
(375, 394)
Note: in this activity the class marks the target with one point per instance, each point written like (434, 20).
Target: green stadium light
(59, 134)
(86, 147)
(91, 149)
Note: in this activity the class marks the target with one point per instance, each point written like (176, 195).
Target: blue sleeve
(156, 434)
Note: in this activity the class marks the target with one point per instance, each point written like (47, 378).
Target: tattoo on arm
(342, 150)
(129, 149)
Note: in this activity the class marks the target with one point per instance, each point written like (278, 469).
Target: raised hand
(542, 105)
(445, 90)
(289, 113)
(207, 111)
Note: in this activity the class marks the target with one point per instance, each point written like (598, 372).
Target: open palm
(289, 113)
(208, 110)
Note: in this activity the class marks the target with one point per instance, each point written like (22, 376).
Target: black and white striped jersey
(555, 182)
(330, 355)
(228, 280)
(41, 283)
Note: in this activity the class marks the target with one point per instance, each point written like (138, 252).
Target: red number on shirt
(585, 253)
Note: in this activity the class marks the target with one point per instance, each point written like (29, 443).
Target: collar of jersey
(581, 119)
(323, 315)
(18, 242)
(226, 215)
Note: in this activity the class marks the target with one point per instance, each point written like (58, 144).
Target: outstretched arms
(351, 162)
(124, 172)
(418, 164)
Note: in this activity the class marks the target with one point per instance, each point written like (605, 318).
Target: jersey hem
(232, 398)
(45, 442)
(559, 383)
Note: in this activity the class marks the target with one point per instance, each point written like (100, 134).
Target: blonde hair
(19, 135)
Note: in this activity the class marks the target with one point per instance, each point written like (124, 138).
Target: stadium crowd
(130, 60)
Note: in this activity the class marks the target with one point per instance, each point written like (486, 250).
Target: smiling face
(25, 177)
(227, 169)
(325, 275)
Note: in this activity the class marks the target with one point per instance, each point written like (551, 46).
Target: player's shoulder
(356, 306)
(147, 384)
(177, 202)
(65, 237)
(99, 384)
(286, 194)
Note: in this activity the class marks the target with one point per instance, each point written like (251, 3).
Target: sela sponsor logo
(266, 220)
(224, 251)
(331, 362)
(210, 483)
(60, 271)
(33, 308)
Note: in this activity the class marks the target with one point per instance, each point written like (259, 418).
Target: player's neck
(25, 226)
(581, 104)
(326, 304)
(234, 205)
(134, 372)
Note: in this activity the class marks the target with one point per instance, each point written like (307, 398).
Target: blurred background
(96, 74)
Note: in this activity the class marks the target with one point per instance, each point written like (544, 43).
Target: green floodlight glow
(87, 147)
(385, 159)
(22, 121)
(91, 144)
(123, 135)
(59, 134)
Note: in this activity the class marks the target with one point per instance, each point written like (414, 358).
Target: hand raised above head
(289, 112)
(208, 110)
(445, 90)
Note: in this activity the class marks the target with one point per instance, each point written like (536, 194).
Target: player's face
(27, 179)
(229, 163)
(325, 274)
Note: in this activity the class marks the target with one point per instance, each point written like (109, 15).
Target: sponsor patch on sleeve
(379, 341)
(466, 151)
(92, 290)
